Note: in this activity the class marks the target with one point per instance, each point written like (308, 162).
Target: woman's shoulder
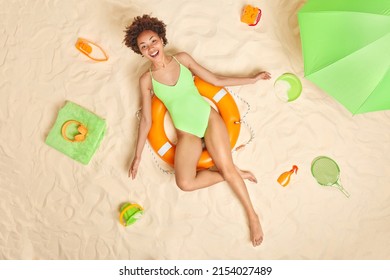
(184, 58)
(182, 55)
(145, 77)
(145, 80)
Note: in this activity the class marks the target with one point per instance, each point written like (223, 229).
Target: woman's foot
(256, 231)
(247, 175)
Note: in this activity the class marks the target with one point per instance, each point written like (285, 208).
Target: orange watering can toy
(284, 178)
(91, 50)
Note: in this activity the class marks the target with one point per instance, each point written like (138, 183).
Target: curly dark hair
(142, 23)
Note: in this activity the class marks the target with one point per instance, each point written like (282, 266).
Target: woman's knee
(184, 184)
(228, 172)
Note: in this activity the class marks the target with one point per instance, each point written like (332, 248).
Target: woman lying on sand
(170, 78)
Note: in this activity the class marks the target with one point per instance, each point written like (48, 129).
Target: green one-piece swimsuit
(188, 109)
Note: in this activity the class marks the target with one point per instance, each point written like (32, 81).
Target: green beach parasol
(346, 51)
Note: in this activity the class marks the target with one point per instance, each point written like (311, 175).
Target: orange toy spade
(284, 178)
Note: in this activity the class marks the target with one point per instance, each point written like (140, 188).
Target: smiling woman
(144, 22)
(170, 78)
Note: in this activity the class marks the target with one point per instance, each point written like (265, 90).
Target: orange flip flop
(87, 47)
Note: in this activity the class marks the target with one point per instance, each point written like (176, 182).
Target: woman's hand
(262, 76)
(134, 167)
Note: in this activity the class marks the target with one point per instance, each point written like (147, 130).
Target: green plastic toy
(130, 213)
(294, 87)
(327, 173)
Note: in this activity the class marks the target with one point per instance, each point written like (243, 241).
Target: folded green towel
(80, 151)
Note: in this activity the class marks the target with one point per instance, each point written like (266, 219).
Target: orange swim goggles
(83, 130)
(88, 48)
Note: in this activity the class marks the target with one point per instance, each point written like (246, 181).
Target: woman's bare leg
(245, 174)
(187, 154)
(217, 143)
(188, 151)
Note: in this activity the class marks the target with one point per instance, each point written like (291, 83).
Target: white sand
(52, 207)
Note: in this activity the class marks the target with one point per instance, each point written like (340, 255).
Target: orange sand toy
(80, 128)
(250, 15)
(87, 47)
(284, 178)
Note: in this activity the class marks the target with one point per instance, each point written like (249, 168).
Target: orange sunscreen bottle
(284, 178)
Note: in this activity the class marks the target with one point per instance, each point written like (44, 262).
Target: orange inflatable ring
(226, 106)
